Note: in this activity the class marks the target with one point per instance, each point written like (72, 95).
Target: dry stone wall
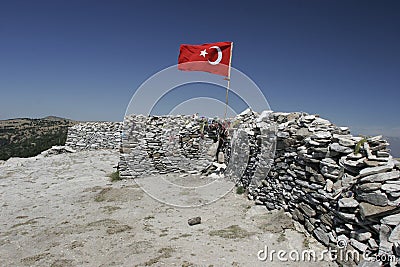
(341, 187)
(94, 135)
(164, 144)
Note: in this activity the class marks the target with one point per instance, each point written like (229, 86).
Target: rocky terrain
(62, 210)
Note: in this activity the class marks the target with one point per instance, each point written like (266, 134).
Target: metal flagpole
(229, 82)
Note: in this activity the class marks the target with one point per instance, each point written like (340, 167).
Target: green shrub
(114, 176)
(359, 144)
(240, 190)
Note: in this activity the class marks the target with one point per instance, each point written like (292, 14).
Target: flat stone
(394, 195)
(298, 215)
(310, 212)
(346, 142)
(309, 117)
(282, 134)
(385, 247)
(348, 180)
(341, 149)
(367, 187)
(395, 234)
(369, 263)
(391, 187)
(391, 219)
(372, 163)
(380, 177)
(313, 143)
(348, 203)
(321, 121)
(368, 210)
(326, 219)
(374, 138)
(321, 135)
(375, 170)
(329, 163)
(358, 245)
(372, 244)
(303, 132)
(347, 216)
(376, 198)
(353, 156)
(382, 154)
(322, 236)
(362, 235)
(309, 226)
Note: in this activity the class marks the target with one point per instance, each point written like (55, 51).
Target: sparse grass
(110, 209)
(358, 146)
(165, 253)
(149, 217)
(100, 197)
(185, 235)
(231, 232)
(282, 237)
(114, 176)
(306, 242)
(240, 190)
(28, 222)
(112, 226)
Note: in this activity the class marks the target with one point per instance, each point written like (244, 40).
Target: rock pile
(341, 187)
(94, 135)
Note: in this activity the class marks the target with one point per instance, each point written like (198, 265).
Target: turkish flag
(213, 57)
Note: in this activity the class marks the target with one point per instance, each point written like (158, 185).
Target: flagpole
(229, 82)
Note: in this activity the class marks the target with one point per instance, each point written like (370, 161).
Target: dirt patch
(112, 226)
(110, 194)
(140, 247)
(62, 263)
(165, 253)
(93, 189)
(231, 232)
(35, 258)
(274, 222)
(28, 222)
(110, 209)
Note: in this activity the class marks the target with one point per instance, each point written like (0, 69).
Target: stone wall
(94, 135)
(341, 187)
(164, 144)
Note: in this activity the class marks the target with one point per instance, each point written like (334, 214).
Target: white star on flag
(203, 53)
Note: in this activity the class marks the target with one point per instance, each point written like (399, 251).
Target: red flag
(214, 57)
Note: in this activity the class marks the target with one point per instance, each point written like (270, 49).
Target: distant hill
(26, 137)
(394, 146)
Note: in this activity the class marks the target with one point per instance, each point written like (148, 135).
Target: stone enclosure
(344, 189)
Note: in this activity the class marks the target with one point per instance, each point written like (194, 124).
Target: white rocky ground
(62, 210)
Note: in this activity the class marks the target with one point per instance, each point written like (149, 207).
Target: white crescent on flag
(219, 58)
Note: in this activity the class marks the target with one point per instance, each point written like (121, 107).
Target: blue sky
(84, 59)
